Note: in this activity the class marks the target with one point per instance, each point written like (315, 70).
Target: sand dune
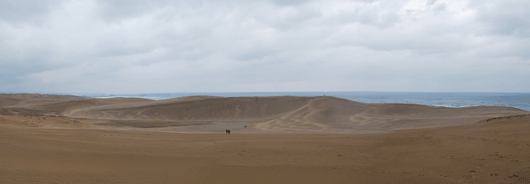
(494, 150)
(62, 139)
(261, 114)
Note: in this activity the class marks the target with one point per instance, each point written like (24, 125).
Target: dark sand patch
(149, 124)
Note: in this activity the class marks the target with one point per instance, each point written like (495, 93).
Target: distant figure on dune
(227, 131)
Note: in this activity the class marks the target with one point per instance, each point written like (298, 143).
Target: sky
(158, 46)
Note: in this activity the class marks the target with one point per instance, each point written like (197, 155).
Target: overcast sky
(137, 46)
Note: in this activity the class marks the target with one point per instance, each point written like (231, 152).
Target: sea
(445, 99)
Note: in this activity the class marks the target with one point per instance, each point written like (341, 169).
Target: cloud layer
(139, 46)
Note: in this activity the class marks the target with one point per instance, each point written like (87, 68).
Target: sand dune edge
(205, 114)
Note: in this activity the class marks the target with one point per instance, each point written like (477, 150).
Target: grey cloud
(439, 7)
(174, 46)
(508, 17)
(26, 10)
(289, 2)
(114, 11)
(431, 2)
(381, 15)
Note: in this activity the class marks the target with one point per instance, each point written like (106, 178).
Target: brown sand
(58, 139)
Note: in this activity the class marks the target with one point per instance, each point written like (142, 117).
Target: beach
(66, 139)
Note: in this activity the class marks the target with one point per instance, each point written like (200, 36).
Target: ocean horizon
(445, 99)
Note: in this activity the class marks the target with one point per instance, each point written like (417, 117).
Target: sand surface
(60, 139)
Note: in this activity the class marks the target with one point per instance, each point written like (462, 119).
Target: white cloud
(214, 46)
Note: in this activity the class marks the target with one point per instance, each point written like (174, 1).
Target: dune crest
(286, 114)
(62, 139)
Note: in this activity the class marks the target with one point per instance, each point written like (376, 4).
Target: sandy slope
(261, 114)
(494, 151)
(58, 139)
